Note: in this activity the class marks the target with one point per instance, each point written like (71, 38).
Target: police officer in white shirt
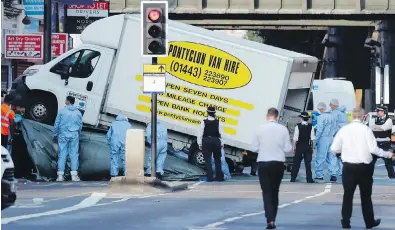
(209, 141)
(271, 142)
(382, 130)
(356, 143)
(304, 137)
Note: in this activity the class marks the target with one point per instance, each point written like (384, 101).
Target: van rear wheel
(198, 158)
(42, 109)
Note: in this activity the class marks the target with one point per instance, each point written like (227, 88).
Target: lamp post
(47, 30)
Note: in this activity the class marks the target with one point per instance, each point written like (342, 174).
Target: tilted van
(241, 78)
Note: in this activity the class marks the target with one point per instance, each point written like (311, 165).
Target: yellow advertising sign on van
(205, 66)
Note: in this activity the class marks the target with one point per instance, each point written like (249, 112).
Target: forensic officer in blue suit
(224, 166)
(341, 120)
(326, 129)
(116, 138)
(314, 118)
(66, 132)
(161, 148)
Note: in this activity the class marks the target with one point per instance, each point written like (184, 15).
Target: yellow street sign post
(154, 69)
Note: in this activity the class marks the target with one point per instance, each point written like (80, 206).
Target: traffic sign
(154, 83)
(154, 69)
(154, 78)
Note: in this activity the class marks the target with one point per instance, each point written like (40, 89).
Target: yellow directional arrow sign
(154, 69)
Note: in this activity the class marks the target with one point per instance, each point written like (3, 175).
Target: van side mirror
(65, 72)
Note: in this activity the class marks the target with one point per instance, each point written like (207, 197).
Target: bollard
(134, 155)
(134, 181)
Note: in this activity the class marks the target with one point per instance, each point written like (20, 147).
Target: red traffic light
(154, 15)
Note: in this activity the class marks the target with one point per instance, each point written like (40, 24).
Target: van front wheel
(42, 109)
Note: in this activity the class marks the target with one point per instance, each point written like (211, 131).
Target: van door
(88, 71)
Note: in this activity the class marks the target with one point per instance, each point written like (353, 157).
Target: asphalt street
(235, 204)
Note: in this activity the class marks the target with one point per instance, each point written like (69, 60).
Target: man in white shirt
(304, 137)
(356, 143)
(209, 141)
(271, 141)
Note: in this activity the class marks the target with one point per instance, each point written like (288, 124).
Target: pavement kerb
(124, 182)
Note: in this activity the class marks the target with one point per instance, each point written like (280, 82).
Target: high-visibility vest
(5, 120)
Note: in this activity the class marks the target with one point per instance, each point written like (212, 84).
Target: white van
(328, 89)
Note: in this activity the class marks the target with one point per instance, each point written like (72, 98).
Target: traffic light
(154, 16)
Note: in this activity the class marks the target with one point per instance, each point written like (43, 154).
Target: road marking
(62, 198)
(196, 184)
(327, 190)
(252, 214)
(380, 165)
(204, 228)
(214, 225)
(88, 202)
(27, 206)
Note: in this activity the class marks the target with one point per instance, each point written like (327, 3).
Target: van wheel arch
(42, 106)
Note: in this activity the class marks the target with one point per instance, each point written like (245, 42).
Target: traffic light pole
(154, 115)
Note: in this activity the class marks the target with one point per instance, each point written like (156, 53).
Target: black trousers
(212, 145)
(302, 152)
(361, 175)
(270, 176)
(4, 140)
(388, 162)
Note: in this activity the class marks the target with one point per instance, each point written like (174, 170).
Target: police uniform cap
(381, 108)
(211, 109)
(304, 115)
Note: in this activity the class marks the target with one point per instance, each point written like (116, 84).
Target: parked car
(8, 181)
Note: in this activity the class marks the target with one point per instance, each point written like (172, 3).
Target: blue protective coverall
(314, 118)
(340, 116)
(161, 147)
(341, 120)
(68, 125)
(224, 165)
(326, 129)
(18, 119)
(116, 138)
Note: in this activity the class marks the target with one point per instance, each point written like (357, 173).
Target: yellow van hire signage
(205, 66)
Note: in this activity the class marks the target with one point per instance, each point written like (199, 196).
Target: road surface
(235, 204)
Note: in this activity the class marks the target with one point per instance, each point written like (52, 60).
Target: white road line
(252, 214)
(27, 206)
(328, 188)
(380, 165)
(213, 225)
(196, 184)
(88, 202)
(233, 219)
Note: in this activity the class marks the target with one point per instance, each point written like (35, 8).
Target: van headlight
(30, 72)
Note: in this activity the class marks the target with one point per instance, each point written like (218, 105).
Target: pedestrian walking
(161, 149)
(66, 132)
(382, 130)
(326, 129)
(304, 137)
(271, 141)
(209, 141)
(116, 138)
(7, 121)
(356, 143)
